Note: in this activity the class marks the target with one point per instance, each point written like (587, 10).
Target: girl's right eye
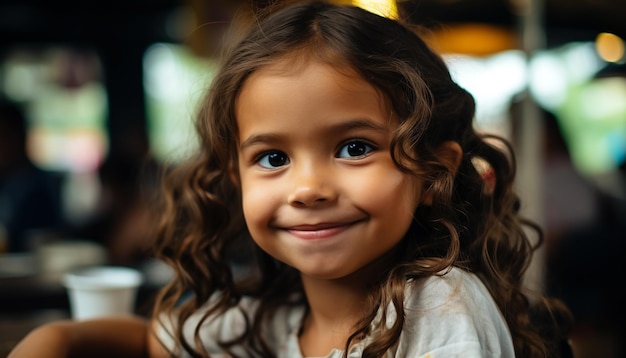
(272, 160)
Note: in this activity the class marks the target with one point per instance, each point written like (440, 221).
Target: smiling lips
(319, 231)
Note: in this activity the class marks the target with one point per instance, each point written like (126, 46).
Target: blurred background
(105, 92)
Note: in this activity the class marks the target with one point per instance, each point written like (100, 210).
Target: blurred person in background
(586, 237)
(30, 198)
(129, 179)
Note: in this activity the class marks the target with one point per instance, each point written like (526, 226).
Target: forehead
(307, 99)
(307, 74)
(308, 66)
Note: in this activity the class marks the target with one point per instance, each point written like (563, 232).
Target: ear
(449, 154)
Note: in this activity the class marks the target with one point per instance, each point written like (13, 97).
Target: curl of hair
(469, 225)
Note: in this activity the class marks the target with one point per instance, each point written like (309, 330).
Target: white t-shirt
(445, 316)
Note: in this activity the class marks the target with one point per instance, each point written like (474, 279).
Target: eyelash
(263, 155)
(366, 145)
(370, 147)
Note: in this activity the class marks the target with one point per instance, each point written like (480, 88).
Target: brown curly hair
(473, 223)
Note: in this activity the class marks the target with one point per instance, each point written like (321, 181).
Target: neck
(335, 307)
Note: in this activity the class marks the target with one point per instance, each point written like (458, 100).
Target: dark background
(121, 30)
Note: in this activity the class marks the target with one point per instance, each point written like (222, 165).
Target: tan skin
(320, 192)
(320, 189)
(115, 337)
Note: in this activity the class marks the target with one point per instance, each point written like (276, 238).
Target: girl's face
(320, 190)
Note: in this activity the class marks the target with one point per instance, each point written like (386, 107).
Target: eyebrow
(356, 124)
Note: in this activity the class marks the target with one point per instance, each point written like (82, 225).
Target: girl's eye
(354, 149)
(273, 160)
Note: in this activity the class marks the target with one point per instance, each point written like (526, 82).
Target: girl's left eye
(354, 149)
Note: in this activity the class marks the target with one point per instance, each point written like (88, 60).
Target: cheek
(257, 203)
(386, 191)
(250, 200)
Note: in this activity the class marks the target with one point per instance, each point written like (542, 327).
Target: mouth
(318, 231)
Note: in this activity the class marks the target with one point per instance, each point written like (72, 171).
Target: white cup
(102, 291)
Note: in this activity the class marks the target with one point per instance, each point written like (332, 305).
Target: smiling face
(320, 190)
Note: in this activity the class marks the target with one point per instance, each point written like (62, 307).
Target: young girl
(336, 210)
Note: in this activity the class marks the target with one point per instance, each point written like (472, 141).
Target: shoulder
(455, 287)
(454, 313)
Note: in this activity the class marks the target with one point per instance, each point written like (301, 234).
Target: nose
(312, 186)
